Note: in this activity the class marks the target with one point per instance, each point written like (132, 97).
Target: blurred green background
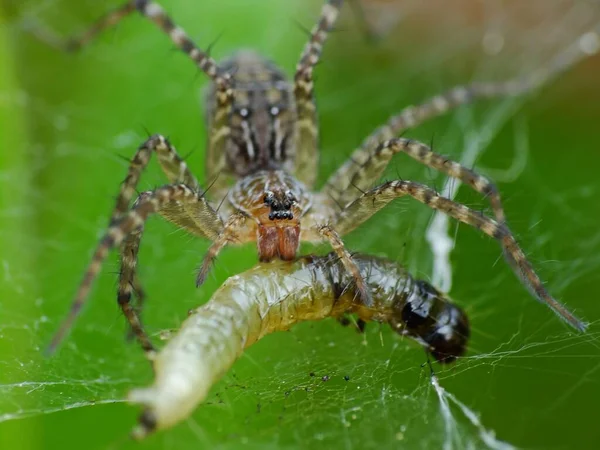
(66, 120)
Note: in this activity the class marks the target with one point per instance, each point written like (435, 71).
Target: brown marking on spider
(263, 140)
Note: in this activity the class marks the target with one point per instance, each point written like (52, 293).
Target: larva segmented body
(273, 297)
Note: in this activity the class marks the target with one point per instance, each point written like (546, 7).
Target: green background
(65, 122)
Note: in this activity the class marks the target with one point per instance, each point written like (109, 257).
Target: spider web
(527, 381)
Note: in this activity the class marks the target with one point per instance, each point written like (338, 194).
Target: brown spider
(263, 139)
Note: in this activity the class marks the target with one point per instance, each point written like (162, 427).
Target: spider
(262, 152)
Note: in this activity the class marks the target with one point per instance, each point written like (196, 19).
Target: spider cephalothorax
(263, 140)
(272, 204)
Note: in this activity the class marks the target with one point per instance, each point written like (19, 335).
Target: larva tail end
(146, 425)
(433, 320)
(147, 422)
(450, 336)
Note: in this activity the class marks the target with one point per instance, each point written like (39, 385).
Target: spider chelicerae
(262, 156)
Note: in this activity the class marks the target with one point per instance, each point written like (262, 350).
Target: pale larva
(275, 296)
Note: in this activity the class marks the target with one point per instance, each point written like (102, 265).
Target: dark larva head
(428, 316)
(450, 336)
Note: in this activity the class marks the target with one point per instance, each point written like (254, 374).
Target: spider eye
(290, 199)
(244, 112)
(274, 111)
(268, 198)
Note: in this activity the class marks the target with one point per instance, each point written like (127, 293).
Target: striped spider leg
(348, 184)
(307, 145)
(197, 217)
(165, 198)
(351, 174)
(368, 203)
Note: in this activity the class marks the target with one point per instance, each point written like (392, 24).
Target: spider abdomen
(258, 130)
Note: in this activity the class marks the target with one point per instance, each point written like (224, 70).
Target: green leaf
(65, 122)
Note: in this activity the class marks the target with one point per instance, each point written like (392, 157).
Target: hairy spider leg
(204, 222)
(351, 173)
(307, 146)
(116, 233)
(155, 13)
(129, 281)
(375, 199)
(228, 235)
(218, 131)
(172, 165)
(349, 264)
(377, 161)
(193, 220)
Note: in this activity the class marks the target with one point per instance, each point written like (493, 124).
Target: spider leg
(173, 166)
(176, 212)
(228, 235)
(204, 222)
(329, 233)
(368, 30)
(108, 20)
(307, 138)
(155, 13)
(372, 168)
(338, 187)
(116, 233)
(338, 184)
(139, 302)
(375, 199)
(129, 283)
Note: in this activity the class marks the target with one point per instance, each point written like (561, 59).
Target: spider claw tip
(50, 349)
(200, 279)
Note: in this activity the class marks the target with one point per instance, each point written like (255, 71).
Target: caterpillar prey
(273, 297)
